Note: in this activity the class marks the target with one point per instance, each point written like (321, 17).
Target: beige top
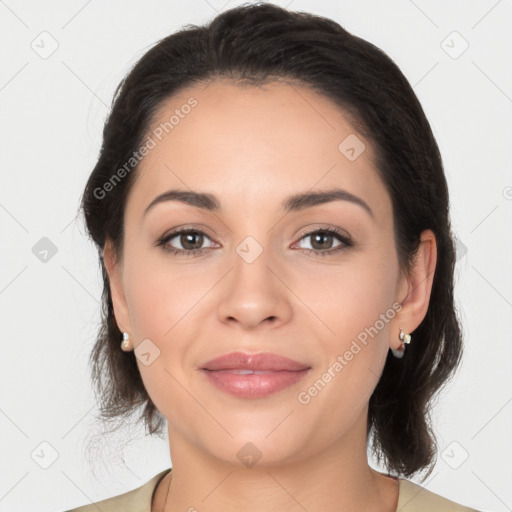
(411, 498)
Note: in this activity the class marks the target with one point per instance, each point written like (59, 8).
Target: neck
(335, 479)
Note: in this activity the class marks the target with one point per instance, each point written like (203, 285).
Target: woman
(271, 213)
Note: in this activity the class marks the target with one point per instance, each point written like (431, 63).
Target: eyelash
(346, 242)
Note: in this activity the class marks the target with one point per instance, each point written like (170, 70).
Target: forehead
(244, 143)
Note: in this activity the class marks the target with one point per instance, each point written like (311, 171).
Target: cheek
(353, 358)
(350, 296)
(355, 304)
(158, 306)
(157, 295)
(164, 306)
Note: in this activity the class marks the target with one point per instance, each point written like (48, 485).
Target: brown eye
(186, 242)
(191, 240)
(322, 241)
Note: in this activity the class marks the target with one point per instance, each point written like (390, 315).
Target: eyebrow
(294, 203)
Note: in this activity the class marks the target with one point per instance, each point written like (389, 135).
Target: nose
(253, 293)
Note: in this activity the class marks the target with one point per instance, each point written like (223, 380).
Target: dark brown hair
(262, 42)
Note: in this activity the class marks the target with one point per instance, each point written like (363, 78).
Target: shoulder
(415, 498)
(136, 500)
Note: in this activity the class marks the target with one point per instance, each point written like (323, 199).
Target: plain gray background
(52, 111)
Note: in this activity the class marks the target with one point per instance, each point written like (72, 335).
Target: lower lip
(256, 385)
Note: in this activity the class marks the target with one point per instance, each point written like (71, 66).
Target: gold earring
(126, 344)
(404, 338)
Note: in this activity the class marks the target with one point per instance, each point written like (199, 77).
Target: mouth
(253, 375)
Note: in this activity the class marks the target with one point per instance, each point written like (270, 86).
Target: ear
(416, 287)
(114, 271)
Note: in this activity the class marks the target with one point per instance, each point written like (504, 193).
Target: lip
(259, 361)
(274, 373)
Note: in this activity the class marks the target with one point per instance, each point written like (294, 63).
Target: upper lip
(260, 361)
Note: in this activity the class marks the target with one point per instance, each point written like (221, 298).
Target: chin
(257, 449)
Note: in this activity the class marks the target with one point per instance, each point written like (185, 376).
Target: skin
(252, 147)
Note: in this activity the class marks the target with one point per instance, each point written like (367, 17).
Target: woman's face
(260, 276)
